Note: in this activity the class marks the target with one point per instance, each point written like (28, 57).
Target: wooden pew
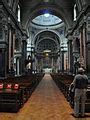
(11, 99)
(63, 81)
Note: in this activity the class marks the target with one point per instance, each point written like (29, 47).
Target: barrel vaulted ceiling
(61, 8)
(64, 9)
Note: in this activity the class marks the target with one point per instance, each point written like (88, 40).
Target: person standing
(80, 83)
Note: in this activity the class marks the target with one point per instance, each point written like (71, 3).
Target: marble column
(11, 48)
(84, 43)
(9, 55)
(88, 44)
(17, 66)
(62, 61)
(81, 46)
(70, 54)
(3, 47)
(24, 53)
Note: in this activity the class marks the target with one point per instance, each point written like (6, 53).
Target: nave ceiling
(60, 8)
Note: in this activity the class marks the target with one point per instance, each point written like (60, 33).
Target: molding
(13, 17)
(3, 45)
(81, 19)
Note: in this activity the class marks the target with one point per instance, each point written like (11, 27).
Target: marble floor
(46, 103)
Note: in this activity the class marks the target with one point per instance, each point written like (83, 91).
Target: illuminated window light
(46, 14)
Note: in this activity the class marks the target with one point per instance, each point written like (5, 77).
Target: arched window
(75, 14)
(18, 13)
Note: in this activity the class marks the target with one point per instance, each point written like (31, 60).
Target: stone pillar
(3, 44)
(62, 61)
(31, 59)
(11, 47)
(24, 53)
(42, 65)
(2, 63)
(58, 63)
(9, 55)
(70, 54)
(36, 64)
(18, 66)
(83, 46)
(84, 43)
(88, 44)
(52, 62)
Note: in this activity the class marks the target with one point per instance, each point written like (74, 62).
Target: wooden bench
(10, 100)
(13, 98)
(63, 82)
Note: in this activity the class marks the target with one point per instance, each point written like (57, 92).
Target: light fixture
(47, 54)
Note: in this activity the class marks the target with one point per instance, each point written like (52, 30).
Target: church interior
(42, 45)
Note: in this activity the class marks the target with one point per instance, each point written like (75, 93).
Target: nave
(46, 103)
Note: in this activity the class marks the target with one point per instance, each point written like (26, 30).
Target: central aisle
(46, 103)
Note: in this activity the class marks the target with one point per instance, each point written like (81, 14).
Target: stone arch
(55, 32)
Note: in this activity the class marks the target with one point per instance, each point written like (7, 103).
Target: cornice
(13, 16)
(79, 21)
(80, 16)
